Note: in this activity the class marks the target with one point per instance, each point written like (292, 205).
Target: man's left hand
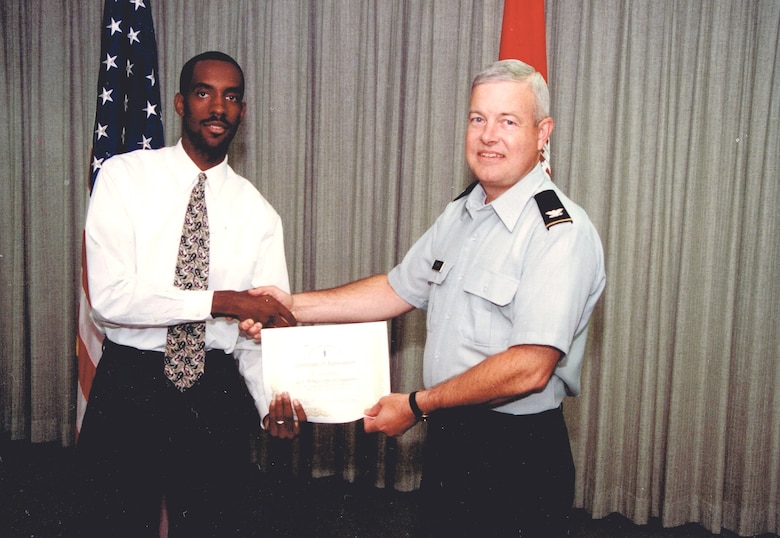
(391, 415)
(284, 417)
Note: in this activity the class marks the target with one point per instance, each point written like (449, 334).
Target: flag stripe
(127, 117)
(89, 343)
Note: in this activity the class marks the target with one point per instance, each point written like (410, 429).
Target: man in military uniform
(509, 274)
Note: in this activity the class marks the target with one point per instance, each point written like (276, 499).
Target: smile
(490, 155)
(216, 125)
(216, 128)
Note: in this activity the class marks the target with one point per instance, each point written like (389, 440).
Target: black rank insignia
(551, 208)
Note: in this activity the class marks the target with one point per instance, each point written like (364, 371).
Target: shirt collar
(217, 175)
(510, 204)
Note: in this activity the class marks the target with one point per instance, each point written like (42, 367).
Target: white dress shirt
(132, 234)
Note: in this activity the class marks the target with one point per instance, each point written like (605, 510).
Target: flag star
(109, 61)
(106, 95)
(132, 35)
(145, 143)
(114, 26)
(150, 109)
(101, 131)
(115, 136)
(97, 164)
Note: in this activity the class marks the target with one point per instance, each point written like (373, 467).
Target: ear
(243, 109)
(178, 104)
(544, 130)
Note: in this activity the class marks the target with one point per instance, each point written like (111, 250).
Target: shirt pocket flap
(497, 288)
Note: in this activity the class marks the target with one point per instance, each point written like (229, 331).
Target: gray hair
(517, 71)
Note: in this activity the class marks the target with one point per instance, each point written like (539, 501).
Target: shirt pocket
(436, 295)
(487, 320)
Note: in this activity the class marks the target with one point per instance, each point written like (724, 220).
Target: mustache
(218, 119)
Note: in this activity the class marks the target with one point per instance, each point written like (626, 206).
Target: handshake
(242, 305)
(255, 310)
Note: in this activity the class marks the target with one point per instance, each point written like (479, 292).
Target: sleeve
(119, 293)
(249, 355)
(562, 272)
(410, 278)
(271, 269)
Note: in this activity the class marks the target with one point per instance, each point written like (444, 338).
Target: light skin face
(503, 140)
(211, 110)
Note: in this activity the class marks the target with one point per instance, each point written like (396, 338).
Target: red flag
(523, 33)
(127, 117)
(523, 38)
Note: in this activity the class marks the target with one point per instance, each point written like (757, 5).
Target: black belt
(129, 351)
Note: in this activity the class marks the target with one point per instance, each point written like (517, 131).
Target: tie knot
(202, 177)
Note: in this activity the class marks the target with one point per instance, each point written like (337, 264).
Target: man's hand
(391, 415)
(253, 326)
(243, 305)
(284, 417)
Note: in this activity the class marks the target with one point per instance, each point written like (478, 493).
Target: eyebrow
(204, 86)
(500, 114)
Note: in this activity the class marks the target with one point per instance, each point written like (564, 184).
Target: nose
(489, 134)
(217, 106)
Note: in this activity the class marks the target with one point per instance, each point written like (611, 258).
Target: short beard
(212, 153)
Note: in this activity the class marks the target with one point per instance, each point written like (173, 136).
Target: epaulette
(467, 191)
(551, 208)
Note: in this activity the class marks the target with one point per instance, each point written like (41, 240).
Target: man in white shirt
(148, 434)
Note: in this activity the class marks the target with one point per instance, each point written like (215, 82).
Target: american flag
(127, 117)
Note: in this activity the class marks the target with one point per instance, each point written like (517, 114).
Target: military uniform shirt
(492, 276)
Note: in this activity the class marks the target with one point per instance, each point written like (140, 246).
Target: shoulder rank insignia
(551, 208)
(467, 191)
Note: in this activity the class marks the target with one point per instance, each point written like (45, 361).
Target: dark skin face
(211, 111)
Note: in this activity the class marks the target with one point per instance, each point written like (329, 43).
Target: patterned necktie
(185, 349)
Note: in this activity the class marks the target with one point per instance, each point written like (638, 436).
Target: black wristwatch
(418, 414)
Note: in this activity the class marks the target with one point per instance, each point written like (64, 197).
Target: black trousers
(143, 440)
(492, 474)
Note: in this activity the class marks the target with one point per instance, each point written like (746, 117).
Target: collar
(510, 204)
(217, 175)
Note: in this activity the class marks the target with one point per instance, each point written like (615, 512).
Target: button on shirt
(132, 234)
(492, 276)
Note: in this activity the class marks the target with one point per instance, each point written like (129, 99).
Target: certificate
(335, 371)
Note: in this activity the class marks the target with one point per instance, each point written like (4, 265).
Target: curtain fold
(672, 146)
(14, 384)
(48, 101)
(667, 133)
